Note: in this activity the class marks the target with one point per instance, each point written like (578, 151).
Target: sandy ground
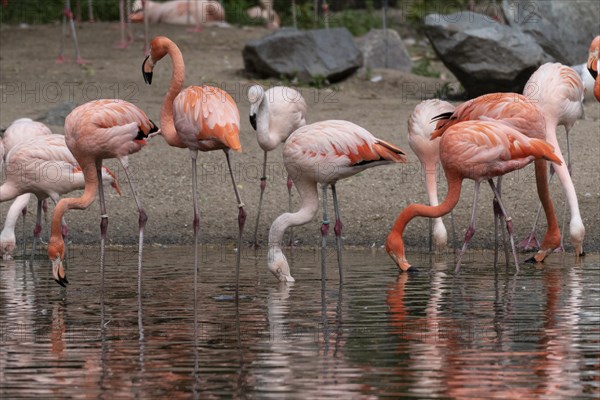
(31, 84)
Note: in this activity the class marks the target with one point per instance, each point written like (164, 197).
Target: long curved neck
(167, 122)
(266, 139)
(14, 212)
(395, 242)
(8, 191)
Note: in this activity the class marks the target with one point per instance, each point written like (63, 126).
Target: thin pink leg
(471, 230)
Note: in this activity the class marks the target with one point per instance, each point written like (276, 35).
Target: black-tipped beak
(593, 73)
(147, 75)
(253, 120)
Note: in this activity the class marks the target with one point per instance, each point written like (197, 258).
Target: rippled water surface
(482, 333)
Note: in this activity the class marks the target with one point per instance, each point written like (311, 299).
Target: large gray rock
(307, 55)
(373, 46)
(563, 28)
(485, 56)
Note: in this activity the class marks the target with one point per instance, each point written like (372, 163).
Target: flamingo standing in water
(427, 150)
(477, 150)
(95, 131)
(558, 91)
(274, 115)
(43, 166)
(523, 115)
(323, 153)
(593, 64)
(201, 118)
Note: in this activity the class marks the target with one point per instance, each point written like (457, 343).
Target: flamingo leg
(290, 185)
(103, 225)
(338, 233)
(498, 215)
(471, 229)
(324, 233)
(123, 43)
(128, 21)
(90, 11)
(508, 222)
(196, 222)
(45, 212)
(263, 185)
(61, 54)
(143, 218)
(146, 29)
(24, 214)
(241, 222)
(79, 60)
(37, 230)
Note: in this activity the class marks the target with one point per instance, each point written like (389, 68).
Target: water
(482, 333)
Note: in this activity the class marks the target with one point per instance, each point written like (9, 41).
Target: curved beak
(253, 120)
(147, 74)
(58, 272)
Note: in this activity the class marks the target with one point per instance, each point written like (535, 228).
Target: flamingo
(477, 150)
(420, 128)
(177, 12)
(68, 14)
(522, 114)
(95, 131)
(123, 15)
(593, 64)
(265, 12)
(274, 115)
(201, 118)
(43, 166)
(558, 91)
(323, 153)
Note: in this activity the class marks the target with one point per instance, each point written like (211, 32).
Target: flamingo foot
(123, 44)
(529, 243)
(81, 61)
(195, 29)
(61, 59)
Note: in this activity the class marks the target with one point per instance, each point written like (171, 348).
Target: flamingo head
(256, 94)
(56, 253)
(278, 265)
(394, 246)
(159, 47)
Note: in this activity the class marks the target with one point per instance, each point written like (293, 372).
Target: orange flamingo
(593, 63)
(427, 150)
(201, 118)
(323, 153)
(477, 150)
(95, 131)
(274, 115)
(558, 91)
(523, 115)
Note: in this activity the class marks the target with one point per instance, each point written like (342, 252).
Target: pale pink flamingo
(420, 127)
(522, 114)
(477, 150)
(179, 12)
(45, 167)
(68, 15)
(274, 115)
(323, 153)
(95, 131)
(558, 91)
(593, 64)
(265, 12)
(201, 118)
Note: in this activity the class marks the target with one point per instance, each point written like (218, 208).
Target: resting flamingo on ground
(593, 64)
(523, 115)
(558, 91)
(477, 150)
(323, 153)
(45, 167)
(179, 12)
(420, 128)
(274, 115)
(201, 118)
(95, 131)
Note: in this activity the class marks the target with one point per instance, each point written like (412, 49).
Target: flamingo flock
(481, 139)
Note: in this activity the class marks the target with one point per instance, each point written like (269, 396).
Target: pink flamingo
(201, 118)
(95, 131)
(45, 167)
(274, 115)
(593, 64)
(323, 153)
(523, 115)
(427, 150)
(265, 11)
(68, 14)
(179, 12)
(477, 150)
(558, 91)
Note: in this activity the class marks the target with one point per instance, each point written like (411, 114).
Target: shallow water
(482, 333)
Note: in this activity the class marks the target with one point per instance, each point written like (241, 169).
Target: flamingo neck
(267, 140)
(167, 122)
(8, 191)
(394, 243)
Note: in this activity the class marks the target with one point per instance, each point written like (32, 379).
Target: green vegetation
(422, 67)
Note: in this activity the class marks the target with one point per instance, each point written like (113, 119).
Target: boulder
(564, 29)
(307, 55)
(484, 55)
(373, 46)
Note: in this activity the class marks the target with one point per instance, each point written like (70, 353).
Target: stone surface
(307, 55)
(58, 113)
(563, 28)
(373, 46)
(484, 55)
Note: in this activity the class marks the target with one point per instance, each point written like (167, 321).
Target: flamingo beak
(115, 186)
(58, 272)
(253, 120)
(147, 74)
